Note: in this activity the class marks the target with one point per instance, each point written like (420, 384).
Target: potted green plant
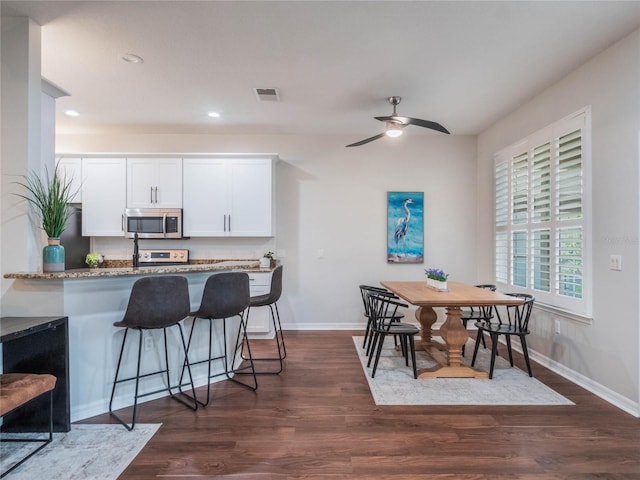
(50, 196)
(267, 258)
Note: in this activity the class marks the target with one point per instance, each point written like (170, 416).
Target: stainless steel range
(151, 258)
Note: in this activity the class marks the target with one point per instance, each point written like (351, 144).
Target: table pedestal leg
(455, 336)
(427, 316)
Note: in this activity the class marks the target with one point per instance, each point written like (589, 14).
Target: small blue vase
(53, 256)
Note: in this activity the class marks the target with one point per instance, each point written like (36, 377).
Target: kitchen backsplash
(199, 248)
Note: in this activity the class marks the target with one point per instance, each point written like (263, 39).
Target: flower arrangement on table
(436, 279)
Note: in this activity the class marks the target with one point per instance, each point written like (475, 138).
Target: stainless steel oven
(153, 222)
(157, 258)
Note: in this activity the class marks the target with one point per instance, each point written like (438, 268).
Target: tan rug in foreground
(394, 383)
(95, 452)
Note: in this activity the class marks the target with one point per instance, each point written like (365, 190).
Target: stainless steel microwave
(153, 222)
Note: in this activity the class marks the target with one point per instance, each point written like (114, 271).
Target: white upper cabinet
(154, 182)
(71, 169)
(228, 197)
(103, 196)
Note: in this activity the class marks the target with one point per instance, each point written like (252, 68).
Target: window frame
(578, 307)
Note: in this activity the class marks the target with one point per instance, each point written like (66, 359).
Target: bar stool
(270, 300)
(155, 303)
(225, 296)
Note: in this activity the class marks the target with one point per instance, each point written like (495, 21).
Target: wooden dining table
(447, 354)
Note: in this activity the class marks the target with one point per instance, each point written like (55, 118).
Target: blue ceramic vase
(53, 256)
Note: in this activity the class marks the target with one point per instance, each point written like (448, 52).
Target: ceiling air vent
(267, 94)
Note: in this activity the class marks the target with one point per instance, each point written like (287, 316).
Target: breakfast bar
(93, 299)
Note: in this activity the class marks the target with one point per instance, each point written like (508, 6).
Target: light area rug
(96, 452)
(394, 383)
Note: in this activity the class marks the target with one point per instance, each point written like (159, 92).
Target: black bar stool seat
(155, 303)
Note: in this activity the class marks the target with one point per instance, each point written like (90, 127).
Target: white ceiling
(462, 64)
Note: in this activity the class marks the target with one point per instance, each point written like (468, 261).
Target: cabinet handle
(156, 192)
(122, 222)
(229, 223)
(150, 194)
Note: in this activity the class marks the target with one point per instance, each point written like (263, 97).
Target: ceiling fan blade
(371, 139)
(414, 121)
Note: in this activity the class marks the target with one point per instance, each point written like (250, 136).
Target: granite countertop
(244, 265)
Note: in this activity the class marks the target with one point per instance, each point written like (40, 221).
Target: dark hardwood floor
(317, 420)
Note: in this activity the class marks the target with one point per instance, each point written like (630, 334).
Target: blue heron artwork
(405, 227)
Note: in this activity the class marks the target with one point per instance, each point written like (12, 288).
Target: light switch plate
(615, 262)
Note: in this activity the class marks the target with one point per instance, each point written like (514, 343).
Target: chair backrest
(486, 310)
(225, 294)
(518, 315)
(276, 285)
(364, 293)
(382, 306)
(157, 302)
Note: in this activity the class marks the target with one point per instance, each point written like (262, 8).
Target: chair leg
(412, 345)
(373, 345)
(509, 349)
(525, 351)
(475, 348)
(494, 352)
(279, 338)
(378, 352)
(367, 330)
(186, 361)
(241, 341)
(137, 379)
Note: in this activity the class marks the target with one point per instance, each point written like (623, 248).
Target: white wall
(21, 239)
(333, 198)
(603, 355)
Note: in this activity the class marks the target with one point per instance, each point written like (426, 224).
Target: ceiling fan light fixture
(393, 129)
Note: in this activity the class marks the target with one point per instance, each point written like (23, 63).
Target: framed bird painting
(405, 227)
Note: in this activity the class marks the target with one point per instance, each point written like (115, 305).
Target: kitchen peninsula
(93, 299)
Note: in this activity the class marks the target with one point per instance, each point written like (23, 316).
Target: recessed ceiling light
(213, 114)
(132, 58)
(72, 113)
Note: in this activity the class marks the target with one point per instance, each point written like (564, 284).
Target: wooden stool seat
(18, 388)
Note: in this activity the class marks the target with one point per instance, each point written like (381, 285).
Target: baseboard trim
(608, 395)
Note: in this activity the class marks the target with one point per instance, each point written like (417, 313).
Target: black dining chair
(364, 293)
(516, 324)
(225, 298)
(155, 303)
(382, 308)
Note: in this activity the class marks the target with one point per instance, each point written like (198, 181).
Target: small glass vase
(53, 256)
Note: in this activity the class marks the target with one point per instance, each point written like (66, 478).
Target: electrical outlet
(148, 343)
(558, 327)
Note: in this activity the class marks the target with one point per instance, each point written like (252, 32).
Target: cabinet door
(251, 197)
(71, 168)
(205, 197)
(140, 182)
(154, 182)
(103, 196)
(168, 183)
